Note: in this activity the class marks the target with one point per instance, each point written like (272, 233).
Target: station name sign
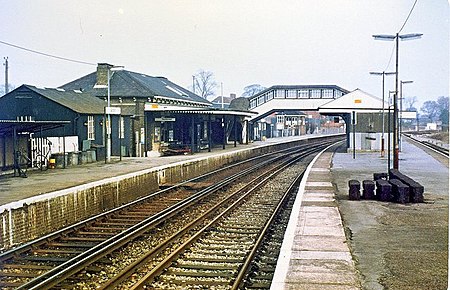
(165, 119)
(112, 110)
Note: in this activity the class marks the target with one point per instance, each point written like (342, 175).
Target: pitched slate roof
(80, 102)
(130, 84)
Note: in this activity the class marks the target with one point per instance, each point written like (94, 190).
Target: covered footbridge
(363, 116)
(286, 110)
(293, 98)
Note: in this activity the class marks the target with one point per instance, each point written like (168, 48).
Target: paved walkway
(314, 254)
(39, 182)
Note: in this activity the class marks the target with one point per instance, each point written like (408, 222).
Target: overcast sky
(242, 42)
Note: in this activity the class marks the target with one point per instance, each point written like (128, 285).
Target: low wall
(36, 216)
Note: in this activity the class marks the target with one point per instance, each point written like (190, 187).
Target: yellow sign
(358, 101)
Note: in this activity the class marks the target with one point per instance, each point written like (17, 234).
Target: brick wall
(55, 210)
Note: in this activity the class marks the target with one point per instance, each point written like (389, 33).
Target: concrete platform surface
(316, 253)
(13, 189)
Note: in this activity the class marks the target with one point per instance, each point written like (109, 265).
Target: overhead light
(381, 73)
(410, 36)
(384, 37)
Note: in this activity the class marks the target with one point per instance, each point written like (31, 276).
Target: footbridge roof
(293, 97)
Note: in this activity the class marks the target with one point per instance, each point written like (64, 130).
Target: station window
(90, 128)
(280, 119)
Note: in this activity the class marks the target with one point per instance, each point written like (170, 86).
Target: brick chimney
(102, 73)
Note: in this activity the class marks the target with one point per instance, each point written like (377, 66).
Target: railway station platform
(332, 242)
(317, 252)
(17, 189)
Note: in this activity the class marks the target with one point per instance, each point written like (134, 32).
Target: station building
(151, 115)
(40, 121)
(165, 116)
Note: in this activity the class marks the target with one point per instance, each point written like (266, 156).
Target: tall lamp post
(109, 110)
(396, 37)
(401, 110)
(382, 122)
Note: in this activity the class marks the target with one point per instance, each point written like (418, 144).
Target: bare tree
(443, 109)
(409, 103)
(204, 83)
(252, 90)
(431, 110)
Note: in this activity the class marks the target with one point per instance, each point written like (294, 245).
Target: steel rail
(249, 260)
(27, 246)
(168, 260)
(439, 150)
(125, 273)
(245, 267)
(44, 239)
(67, 269)
(122, 238)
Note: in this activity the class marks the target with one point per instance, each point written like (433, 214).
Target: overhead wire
(390, 58)
(46, 54)
(412, 8)
(404, 23)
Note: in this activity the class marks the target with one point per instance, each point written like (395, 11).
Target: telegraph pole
(6, 75)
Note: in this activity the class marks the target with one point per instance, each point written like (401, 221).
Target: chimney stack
(232, 96)
(102, 73)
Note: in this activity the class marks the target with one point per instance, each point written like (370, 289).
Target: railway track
(438, 149)
(75, 256)
(223, 250)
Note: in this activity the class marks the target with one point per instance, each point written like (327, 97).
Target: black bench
(384, 189)
(415, 188)
(400, 191)
(377, 176)
(368, 189)
(354, 189)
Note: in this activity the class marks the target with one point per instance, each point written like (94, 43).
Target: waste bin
(52, 163)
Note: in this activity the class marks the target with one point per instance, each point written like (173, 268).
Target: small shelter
(366, 118)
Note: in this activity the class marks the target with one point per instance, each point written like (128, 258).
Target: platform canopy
(28, 126)
(357, 100)
(154, 107)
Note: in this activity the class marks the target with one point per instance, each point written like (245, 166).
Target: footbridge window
(302, 94)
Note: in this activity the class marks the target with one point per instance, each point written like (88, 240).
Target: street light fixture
(401, 110)
(396, 37)
(382, 135)
(108, 109)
